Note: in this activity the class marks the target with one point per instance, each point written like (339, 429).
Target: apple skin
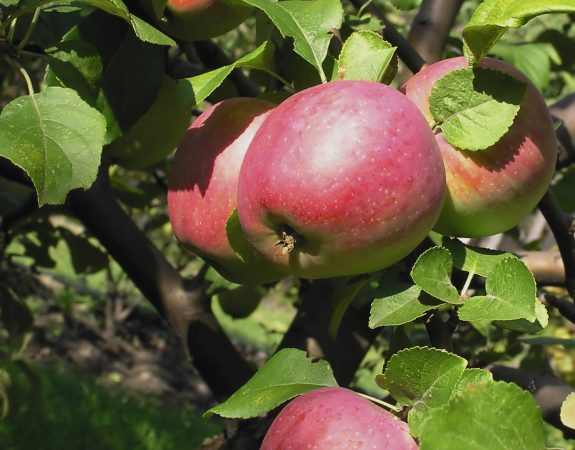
(351, 170)
(491, 190)
(157, 133)
(202, 186)
(196, 20)
(335, 418)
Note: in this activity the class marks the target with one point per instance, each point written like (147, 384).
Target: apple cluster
(347, 177)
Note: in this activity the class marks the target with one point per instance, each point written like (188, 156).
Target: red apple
(194, 20)
(203, 185)
(490, 191)
(334, 419)
(350, 171)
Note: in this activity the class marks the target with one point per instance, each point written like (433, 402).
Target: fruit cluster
(347, 177)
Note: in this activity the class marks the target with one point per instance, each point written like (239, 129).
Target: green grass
(72, 413)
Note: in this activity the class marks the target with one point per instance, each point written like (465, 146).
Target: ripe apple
(333, 419)
(341, 178)
(490, 191)
(195, 20)
(157, 133)
(202, 185)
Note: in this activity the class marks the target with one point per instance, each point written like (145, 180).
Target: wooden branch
(183, 305)
(405, 50)
(546, 266)
(562, 230)
(431, 26)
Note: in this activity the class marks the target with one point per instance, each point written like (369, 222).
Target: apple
(157, 133)
(335, 418)
(240, 301)
(195, 20)
(202, 186)
(342, 178)
(490, 191)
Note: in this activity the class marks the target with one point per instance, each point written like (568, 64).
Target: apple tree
(407, 166)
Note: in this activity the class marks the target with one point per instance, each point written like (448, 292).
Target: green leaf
(286, 375)
(492, 18)
(114, 72)
(237, 238)
(5, 385)
(533, 59)
(364, 22)
(492, 416)
(366, 56)
(471, 377)
(143, 30)
(309, 23)
(432, 273)
(475, 107)
(475, 260)
(61, 147)
(406, 5)
(86, 257)
(549, 340)
(423, 378)
(343, 296)
(568, 411)
(526, 326)
(399, 303)
(203, 85)
(16, 319)
(511, 294)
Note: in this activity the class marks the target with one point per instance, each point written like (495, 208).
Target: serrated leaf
(475, 260)
(492, 18)
(491, 416)
(399, 303)
(203, 85)
(568, 411)
(526, 326)
(406, 5)
(471, 377)
(365, 22)
(143, 30)
(511, 294)
(432, 273)
(423, 378)
(366, 56)
(287, 374)
(61, 147)
(475, 107)
(310, 24)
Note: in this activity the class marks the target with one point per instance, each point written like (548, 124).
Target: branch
(183, 305)
(548, 392)
(405, 50)
(562, 230)
(565, 308)
(430, 27)
(546, 266)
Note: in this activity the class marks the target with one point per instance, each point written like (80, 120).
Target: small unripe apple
(194, 20)
(203, 185)
(342, 178)
(157, 133)
(489, 191)
(241, 301)
(336, 419)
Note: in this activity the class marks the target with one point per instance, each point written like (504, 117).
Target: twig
(405, 50)
(561, 229)
(566, 308)
(564, 110)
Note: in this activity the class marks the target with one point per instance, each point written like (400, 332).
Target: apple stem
(287, 242)
(381, 402)
(465, 287)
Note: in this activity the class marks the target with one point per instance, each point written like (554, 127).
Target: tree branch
(405, 50)
(564, 110)
(183, 305)
(562, 230)
(430, 27)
